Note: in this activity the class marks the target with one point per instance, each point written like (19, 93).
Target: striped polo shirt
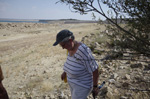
(80, 67)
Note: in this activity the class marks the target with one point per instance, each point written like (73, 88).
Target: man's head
(63, 36)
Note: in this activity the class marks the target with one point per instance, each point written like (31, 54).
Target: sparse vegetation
(134, 13)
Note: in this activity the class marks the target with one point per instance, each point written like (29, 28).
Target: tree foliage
(135, 34)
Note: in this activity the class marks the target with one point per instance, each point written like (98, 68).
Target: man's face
(66, 45)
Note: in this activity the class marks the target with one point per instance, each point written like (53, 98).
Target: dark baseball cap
(63, 35)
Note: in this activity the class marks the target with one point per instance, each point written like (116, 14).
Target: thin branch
(100, 7)
(91, 1)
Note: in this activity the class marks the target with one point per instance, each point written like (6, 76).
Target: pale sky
(39, 9)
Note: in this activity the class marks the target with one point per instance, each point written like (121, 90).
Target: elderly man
(80, 67)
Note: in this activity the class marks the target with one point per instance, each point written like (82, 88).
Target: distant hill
(67, 21)
(64, 21)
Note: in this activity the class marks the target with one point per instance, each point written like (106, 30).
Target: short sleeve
(87, 58)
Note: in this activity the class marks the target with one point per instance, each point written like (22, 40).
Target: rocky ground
(32, 66)
(127, 75)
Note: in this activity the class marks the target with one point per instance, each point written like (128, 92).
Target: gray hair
(67, 38)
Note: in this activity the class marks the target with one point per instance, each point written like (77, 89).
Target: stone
(110, 95)
(123, 97)
(52, 96)
(128, 94)
(114, 76)
(97, 44)
(46, 97)
(116, 91)
(128, 62)
(117, 84)
(125, 85)
(112, 81)
(127, 76)
(139, 65)
(147, 67)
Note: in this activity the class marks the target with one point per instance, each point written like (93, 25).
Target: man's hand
(95, 91)
(63, 76)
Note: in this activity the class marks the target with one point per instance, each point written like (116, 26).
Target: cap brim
(56, 43)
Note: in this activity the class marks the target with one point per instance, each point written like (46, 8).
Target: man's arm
(95, 82)
(1, 74)
(95, 78)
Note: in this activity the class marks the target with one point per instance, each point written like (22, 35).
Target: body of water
(14, 21)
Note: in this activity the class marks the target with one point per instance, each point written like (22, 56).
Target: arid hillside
(32, 66)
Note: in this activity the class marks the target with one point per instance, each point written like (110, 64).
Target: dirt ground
(31, 65)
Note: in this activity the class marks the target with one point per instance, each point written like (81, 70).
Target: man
(80, 67)
(3, 92)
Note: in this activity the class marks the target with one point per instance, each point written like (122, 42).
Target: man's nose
(63, 47)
